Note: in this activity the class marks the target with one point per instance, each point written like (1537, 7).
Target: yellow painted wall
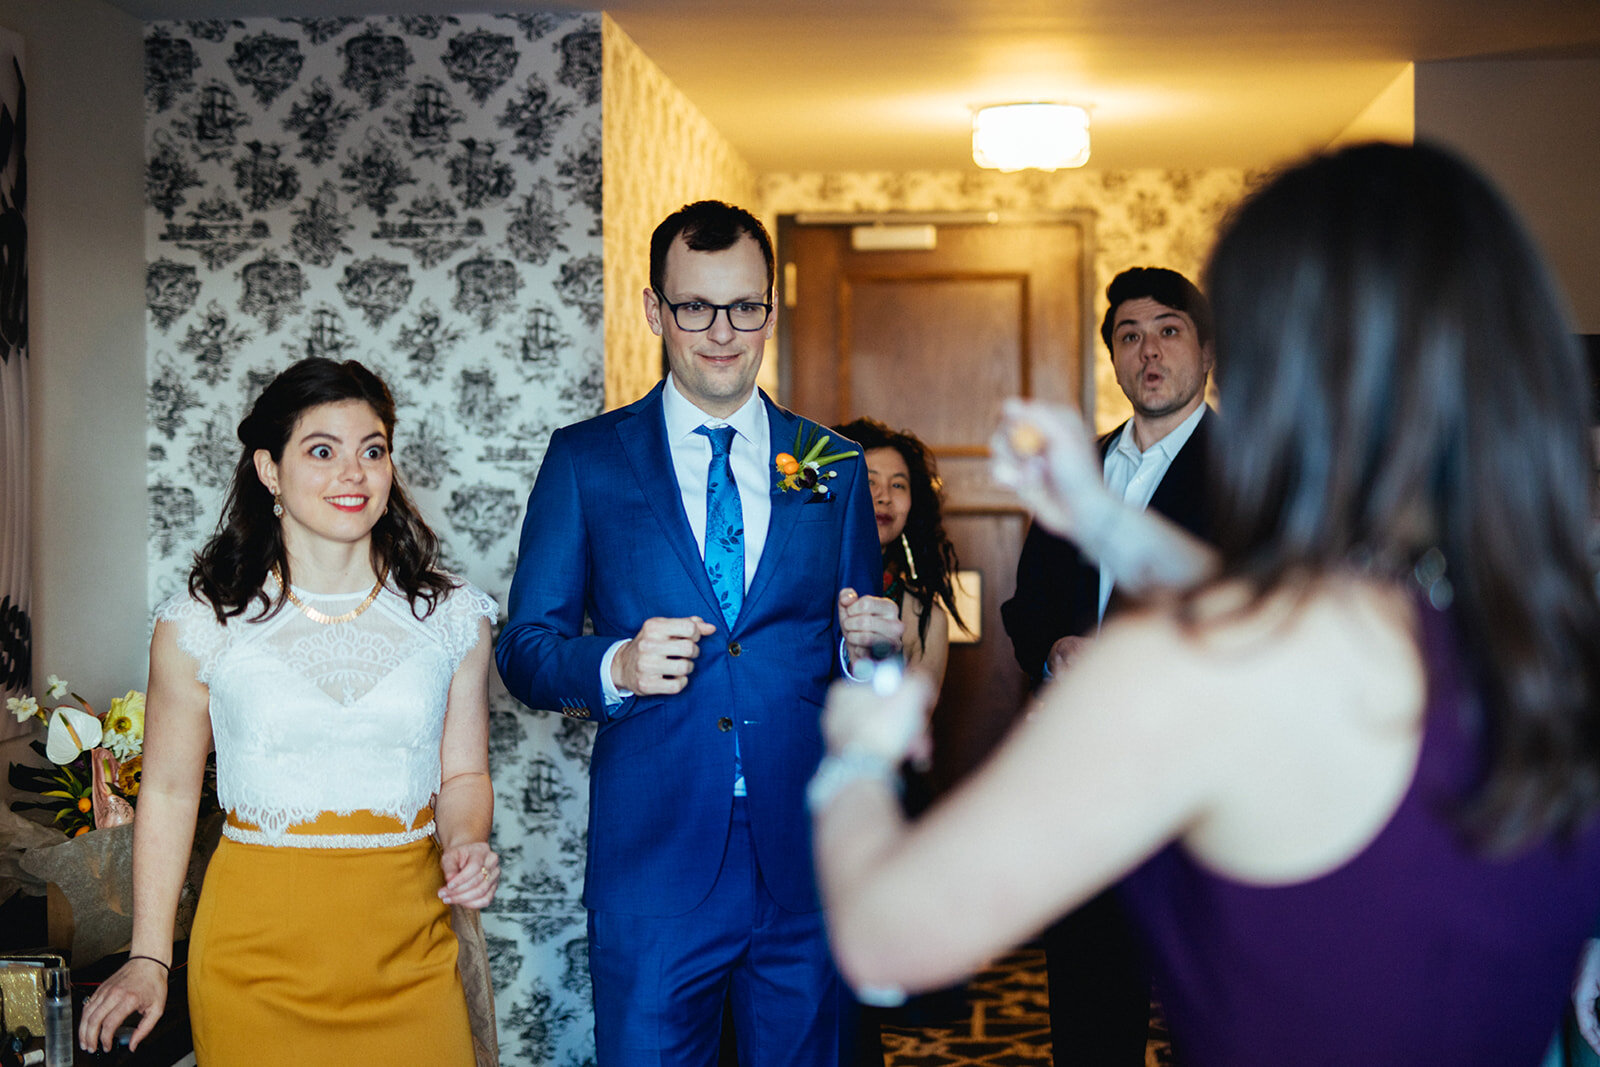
(1392, 115)
(660, 153)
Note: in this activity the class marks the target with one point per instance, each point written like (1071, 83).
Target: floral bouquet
(97, 759)
(92, 783)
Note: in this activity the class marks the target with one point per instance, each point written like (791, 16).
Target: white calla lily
(71, 732)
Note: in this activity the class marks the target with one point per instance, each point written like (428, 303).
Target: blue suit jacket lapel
(644, 442)
(782, 426)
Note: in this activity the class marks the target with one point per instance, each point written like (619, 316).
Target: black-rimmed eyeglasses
(696, 316)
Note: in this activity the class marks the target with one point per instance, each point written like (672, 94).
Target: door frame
(966, 730)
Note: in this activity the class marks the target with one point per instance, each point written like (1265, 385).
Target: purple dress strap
(1414, 951)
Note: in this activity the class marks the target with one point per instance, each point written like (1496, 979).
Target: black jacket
(1058, 589)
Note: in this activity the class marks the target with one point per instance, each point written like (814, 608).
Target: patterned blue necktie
(724, 525)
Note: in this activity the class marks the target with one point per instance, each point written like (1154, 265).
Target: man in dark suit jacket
(1159, 333)
(721, 583)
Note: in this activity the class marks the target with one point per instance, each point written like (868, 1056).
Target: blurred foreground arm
(1044, 453)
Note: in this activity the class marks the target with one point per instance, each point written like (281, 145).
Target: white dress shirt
(750, 456)
(1134, 475)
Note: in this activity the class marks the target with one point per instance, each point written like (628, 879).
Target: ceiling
(891, 84)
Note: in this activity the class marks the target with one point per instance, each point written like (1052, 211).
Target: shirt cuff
(608, 689)
(844, 665)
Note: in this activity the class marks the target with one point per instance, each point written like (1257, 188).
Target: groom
(724, 600)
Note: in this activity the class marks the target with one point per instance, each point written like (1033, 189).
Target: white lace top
(308, 718)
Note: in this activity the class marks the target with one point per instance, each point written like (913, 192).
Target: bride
(342, 677)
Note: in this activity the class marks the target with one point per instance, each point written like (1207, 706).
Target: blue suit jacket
(605, 537)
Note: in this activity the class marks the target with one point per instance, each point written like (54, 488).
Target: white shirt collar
(1168, 447)
(683, 418)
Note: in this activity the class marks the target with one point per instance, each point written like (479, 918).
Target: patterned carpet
(1004, 1022)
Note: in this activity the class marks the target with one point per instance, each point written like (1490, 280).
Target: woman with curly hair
(342, 677)
(919, 563)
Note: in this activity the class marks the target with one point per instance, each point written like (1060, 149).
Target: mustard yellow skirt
(335, 956)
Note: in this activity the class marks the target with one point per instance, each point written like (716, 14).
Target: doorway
(928, 322)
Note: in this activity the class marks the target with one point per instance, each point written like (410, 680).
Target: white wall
(1531, 125)
(85, 154)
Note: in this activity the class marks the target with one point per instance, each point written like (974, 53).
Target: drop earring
(277, 505)
(911, 564)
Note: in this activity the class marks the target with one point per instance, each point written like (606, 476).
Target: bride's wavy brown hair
(230, 572)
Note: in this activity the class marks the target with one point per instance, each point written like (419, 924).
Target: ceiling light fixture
(1030, 136)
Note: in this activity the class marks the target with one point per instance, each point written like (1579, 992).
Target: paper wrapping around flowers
(17, 837)
(94, 871)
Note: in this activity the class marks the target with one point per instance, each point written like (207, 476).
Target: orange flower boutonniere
(809, 472)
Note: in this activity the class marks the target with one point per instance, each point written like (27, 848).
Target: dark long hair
(230, 572)
(934, 557)
(1399, 377)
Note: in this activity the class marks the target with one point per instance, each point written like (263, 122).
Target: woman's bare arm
(464, 811)
(177, 739)
(1045, 454)
(1114, 761)
(931, 652)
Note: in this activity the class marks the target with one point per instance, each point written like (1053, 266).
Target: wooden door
(932, 340)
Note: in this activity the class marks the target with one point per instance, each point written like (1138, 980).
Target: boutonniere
(810, 470)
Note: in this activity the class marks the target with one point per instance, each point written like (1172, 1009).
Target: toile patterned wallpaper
(1162, 218)
(422, 193)
(664, 154)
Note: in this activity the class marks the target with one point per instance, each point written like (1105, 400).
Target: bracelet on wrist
(164, 966)
(881, 996)
(838, 770)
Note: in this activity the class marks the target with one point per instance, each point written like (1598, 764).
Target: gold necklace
(316, 616)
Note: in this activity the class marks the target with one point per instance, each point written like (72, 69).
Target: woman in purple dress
(1346, 766)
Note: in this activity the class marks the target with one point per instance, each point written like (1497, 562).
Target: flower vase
(109, 809)
(90, 888)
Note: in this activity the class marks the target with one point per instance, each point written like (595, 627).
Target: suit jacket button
(734, 649)
(724, 724)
